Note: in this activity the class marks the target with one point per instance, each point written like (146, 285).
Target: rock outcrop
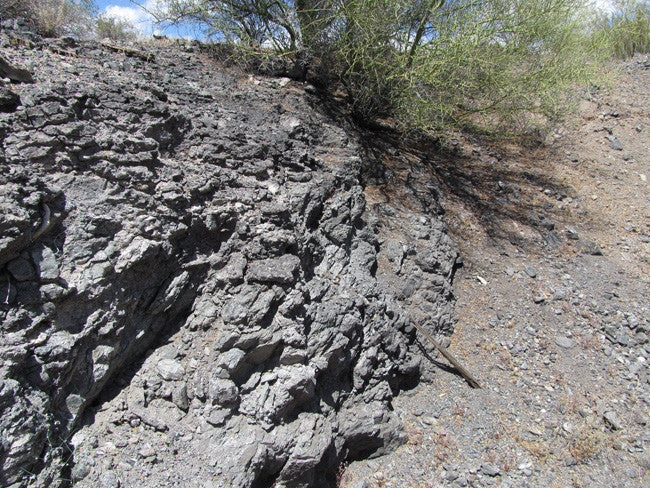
(190, 276)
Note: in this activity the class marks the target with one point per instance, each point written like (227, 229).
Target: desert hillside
(212, 278)
(195, 288)
(553, 307)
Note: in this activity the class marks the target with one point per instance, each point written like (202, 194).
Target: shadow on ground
(500, 191)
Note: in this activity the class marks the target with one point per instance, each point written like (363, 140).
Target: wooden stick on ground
(473, 382)
(127, 51)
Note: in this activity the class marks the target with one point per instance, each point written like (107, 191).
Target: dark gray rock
(222, 391)
(530, 271)
(280, 270)
(490, 469)
(613, 420)
(233, 272)
(201, 267)
(614, 143)
(572, 234)
(15, 74)
(21, 269)
(9, 100)
(590, 247)
(179, 397)
(541, 220)
(232, 361)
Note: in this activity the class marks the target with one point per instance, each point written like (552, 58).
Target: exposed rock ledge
(191, 277)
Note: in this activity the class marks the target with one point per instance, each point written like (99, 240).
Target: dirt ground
(553, 309)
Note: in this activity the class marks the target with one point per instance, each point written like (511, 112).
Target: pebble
(490, 469)
(109, 480)
(451, 476)
(564, 342)
(560, 295)
(462, 480)
(81, 470)
(614, 143)
(613, 420)
(147, 451)
(571, 233)
(590, 247)
(530, 272)
(418, 411)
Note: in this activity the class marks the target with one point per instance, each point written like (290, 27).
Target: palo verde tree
(426, 63)
(626, 28)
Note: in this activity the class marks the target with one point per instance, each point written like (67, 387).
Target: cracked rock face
(193, 285)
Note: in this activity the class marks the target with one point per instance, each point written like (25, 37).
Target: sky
(144, 23)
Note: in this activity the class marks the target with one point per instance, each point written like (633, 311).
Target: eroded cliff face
(193, 287)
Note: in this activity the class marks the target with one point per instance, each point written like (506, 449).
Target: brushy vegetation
(428, 64)
(114, 29)
(53, 18)
(78, 18)
(626, 30)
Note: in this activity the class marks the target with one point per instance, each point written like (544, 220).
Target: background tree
(114, 29)
(426, 63)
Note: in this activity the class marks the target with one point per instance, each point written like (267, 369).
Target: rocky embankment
(193, 288)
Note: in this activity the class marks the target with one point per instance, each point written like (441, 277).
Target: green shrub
(626, 29)
(494, 63)
(426, 63)
(114, 29)
(52, 18)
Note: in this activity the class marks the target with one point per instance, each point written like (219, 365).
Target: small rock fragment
(490, 469)
(109, 480)
(613, 420)
(170, 369)
(530, 272)
(614, 143)
(564, 342)
(571, 233)
(179, 397)
(590, 247)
